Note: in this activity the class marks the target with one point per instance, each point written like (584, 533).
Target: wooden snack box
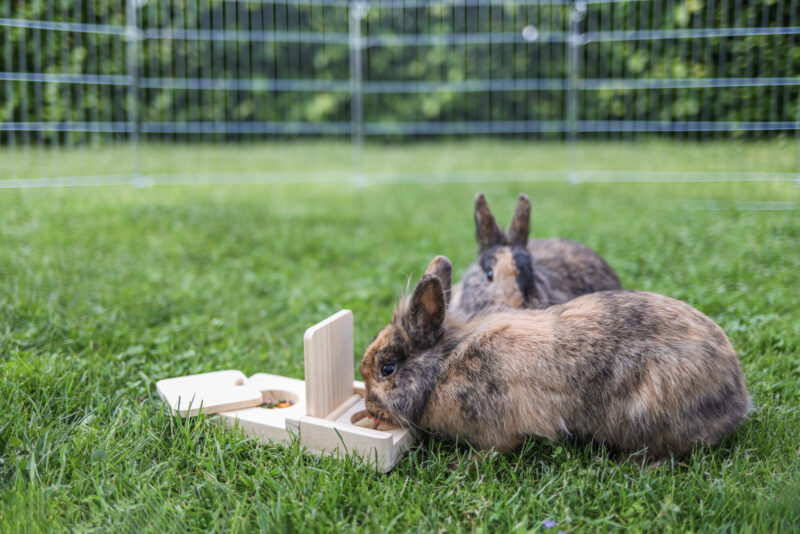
(322, 406)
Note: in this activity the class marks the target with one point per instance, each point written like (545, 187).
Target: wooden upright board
(329, 364)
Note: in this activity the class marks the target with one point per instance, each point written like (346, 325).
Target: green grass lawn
(104, 291)
(335, 160)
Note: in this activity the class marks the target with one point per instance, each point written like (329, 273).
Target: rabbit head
(400, 365)
(505, 273)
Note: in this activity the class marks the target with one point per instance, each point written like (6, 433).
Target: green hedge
(25, 50)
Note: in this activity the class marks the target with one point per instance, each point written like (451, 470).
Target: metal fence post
(797, 144)
(574, 42)
(133, 35)
(358, 10)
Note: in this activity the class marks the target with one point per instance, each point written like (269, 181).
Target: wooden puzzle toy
(317, 411)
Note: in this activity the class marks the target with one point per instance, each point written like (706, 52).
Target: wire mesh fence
(89, 90)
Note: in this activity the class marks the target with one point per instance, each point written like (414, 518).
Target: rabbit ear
(443, 269)
(426, 311)
(487, 232)
(521, 223)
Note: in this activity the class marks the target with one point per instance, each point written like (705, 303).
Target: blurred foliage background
(191, 76)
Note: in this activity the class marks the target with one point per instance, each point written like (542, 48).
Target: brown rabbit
(514, 272)
(629, 369)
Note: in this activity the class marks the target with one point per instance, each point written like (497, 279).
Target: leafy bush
(250, 63)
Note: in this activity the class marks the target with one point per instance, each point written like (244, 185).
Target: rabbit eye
(387, 369)
(490, 275)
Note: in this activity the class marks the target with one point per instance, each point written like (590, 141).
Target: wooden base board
(210, 393)
(269, 424)
(381, 449)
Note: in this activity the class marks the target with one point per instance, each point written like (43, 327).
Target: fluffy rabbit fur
(629, 369)
(514, 272)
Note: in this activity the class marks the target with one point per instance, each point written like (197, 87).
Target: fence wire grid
(121, 76)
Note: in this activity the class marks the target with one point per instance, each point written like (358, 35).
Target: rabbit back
(571, 269)
(629, 369)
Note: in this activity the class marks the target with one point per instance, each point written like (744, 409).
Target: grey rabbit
(514, 272)
(633, 370)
